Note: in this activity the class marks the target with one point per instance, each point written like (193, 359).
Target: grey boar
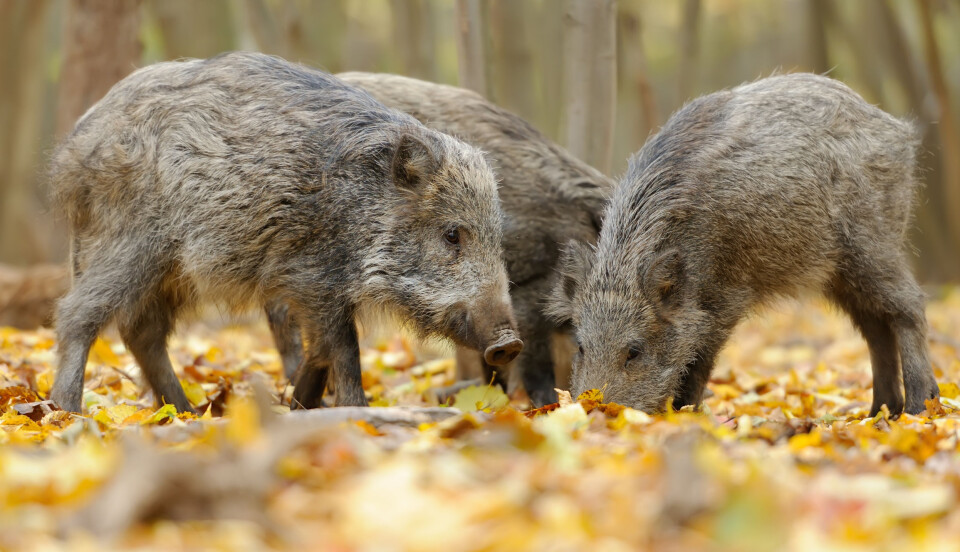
(244, 180)
(549, 197)
(789, 183)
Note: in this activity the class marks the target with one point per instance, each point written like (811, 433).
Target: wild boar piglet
(245, 179)
(789, 183)
(548, 196)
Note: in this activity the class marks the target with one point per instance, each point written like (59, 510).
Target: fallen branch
(407, 416)
(154, 482)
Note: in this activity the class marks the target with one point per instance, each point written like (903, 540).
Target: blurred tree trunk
(590, 75)
(262, 25)
(897, 49)
(856, 40)
(817, 38)
(471, 62)
(938, 261)
(101, 46)
(549, 30)
(689, 48)
(192, 28)
(413, 38)
(947, 124)
(511, 57)
(22, 26)
(28, 295)
(632, 61)
(326, 23)
(305, 32)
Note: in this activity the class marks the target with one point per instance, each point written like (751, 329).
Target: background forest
(597, 77)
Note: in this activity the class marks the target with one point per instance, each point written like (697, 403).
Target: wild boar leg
(881, 340)
(96, 296)
(696, 378)
(535, 361)
(535, 364)
(287, 336)
(311, 380)
(345, 353)
(335, 349)
(145, 336)
(910, 327)
(79, 319)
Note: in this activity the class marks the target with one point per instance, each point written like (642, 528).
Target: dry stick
(155, 482)
(312, 420)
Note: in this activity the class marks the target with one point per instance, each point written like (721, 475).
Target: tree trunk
(632, 61)
(101, 46)
(413, 38)
(549, 30)
(471, 62)
(194, 28)
(258, 19)
(689, 48)
(22, 30)
(590, 86)
(817, 37)
(511, 59)
(28, 295)
(938, 261)
(949, 135)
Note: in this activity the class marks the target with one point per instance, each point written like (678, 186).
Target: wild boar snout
(504, 350)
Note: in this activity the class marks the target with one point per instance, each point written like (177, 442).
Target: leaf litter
(782, 456)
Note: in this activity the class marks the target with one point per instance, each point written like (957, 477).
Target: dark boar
(548, 196)
(788, 183)
(244, 179)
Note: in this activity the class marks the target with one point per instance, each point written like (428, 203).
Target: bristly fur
(549, 197)
(247, 179)
(787, 183)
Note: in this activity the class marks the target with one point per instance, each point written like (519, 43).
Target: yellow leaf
(45, 382)
(165, 412)
(194, 391)
(801, 441)
(949, 390)
(11, 418)
(243, 417)
(115, 415)
(487, 398)
(103, 354)
(591, 395)
(213, 355)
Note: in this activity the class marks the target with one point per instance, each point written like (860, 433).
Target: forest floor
(782, 457)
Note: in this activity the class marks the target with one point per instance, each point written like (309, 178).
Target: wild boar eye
(633, 353)
(452, 236)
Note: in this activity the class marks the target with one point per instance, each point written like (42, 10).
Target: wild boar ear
(664, 278)
(413, 162)
(575, 260)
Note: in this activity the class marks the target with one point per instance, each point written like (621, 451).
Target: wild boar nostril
(503, 353)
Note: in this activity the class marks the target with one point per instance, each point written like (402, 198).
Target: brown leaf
(35, 410)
